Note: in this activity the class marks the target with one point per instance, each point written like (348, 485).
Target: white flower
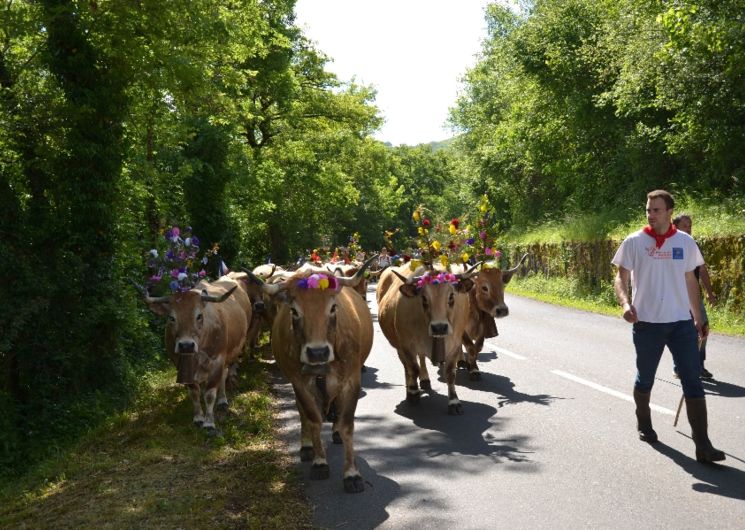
(187, 242)
(182, 276)
(205, 260)
(154, 252)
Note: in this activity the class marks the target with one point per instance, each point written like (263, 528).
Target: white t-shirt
(658, 285)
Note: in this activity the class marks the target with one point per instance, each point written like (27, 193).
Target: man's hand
(629, 313)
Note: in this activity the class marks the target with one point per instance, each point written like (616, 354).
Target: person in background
(685, 223)
(658, 262)
(384, 260)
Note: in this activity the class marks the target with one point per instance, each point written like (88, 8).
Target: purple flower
(470, 241)
(482, 234)
(202, 273)
(169, 254)
(195, 241)
(173, 285)
(174, 273)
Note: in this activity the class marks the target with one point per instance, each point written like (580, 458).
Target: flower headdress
(319, 281)
(481, 239)
(175, 266)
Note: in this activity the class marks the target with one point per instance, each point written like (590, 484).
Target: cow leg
(424, 382)
(222, 398)
(411, 371)
(454, 405)
(210, 396)
(353, 482)
(196, 402)
(474, 374)
(311, 421)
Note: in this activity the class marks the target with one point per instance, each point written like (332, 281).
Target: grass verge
(568, 292)
(151, 468)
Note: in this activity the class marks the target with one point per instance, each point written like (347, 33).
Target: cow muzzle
(439, 329)
(501, 311)
(317, 354)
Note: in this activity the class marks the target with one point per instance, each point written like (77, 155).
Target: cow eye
(425, 302)
(332, 311)
(451, 300)
(171, 318)
(200, 317)
(485, 288)
(294, 313)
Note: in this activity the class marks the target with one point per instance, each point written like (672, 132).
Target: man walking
(658, 262)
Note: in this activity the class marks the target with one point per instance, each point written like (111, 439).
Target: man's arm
(694, 299)
(621, 286)
(706, 282)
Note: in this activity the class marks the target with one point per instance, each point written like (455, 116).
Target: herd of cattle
(322, 333)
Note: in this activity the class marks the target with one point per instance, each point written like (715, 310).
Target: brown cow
(349, 270)
(205, 334)
(424, 313)
(485, 303)
(321, 337)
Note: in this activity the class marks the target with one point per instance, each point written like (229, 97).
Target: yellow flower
(452, 229)
(464, 257)
(444, 260)
(421, 231)
(323, 283)
(436, 245)
(416, 216)
(413, 264)
(483, 208)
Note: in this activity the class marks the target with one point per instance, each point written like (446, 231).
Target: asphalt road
(548, 438)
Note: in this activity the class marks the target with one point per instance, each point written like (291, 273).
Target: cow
(321, 337)
(485, 303)
(205, 334)
(424, 313)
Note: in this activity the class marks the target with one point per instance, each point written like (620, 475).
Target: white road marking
(508, 353)
(609, 391)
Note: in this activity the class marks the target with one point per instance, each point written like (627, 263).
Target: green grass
(711, 218)
(569, 293)
(151, 468)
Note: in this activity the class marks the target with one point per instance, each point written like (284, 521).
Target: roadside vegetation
(149, 467)
(710, 219)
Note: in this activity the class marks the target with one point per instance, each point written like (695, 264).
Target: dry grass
(150, 468)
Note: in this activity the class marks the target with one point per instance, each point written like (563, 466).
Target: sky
(414, 52)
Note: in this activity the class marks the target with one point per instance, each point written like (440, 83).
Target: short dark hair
(678, 218)
(664, 195)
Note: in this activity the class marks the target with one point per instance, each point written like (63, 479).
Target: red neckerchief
(660, 239)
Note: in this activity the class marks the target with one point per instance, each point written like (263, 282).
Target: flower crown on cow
(174, 264)
(319, 281)
(480, 239)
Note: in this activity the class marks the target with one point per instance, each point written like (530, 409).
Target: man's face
(685, 225)
(658, 216)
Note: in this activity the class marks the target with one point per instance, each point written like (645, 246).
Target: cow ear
(159, 307)
(464, 285)
(409, 290)
(507, 276)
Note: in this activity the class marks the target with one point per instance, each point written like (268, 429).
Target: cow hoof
(412, 398)
(211, 432)
(319, 472)
(462, 364)
(354, 484)
(426, 384)
(474, 376)
(331, 416)
(336, 437)
(455, 409)
(306, 454)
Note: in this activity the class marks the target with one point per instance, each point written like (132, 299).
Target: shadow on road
(723, 389)
(713, 478)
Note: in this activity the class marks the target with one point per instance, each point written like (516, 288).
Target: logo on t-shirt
(677, 253)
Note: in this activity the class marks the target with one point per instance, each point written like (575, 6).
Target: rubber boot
(644, 417)
(697, 417)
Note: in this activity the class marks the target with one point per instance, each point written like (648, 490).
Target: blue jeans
(681, 339)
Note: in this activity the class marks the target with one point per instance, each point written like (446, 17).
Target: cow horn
(206, 297)
(400, 277)
(335, 271)
(470, 272)
(251, 276)
(518, 263)
(149, 299)
(354, 280)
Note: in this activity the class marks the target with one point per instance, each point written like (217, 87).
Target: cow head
(311, 299)
(488, 292)
(186, 315)
(437, 291)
